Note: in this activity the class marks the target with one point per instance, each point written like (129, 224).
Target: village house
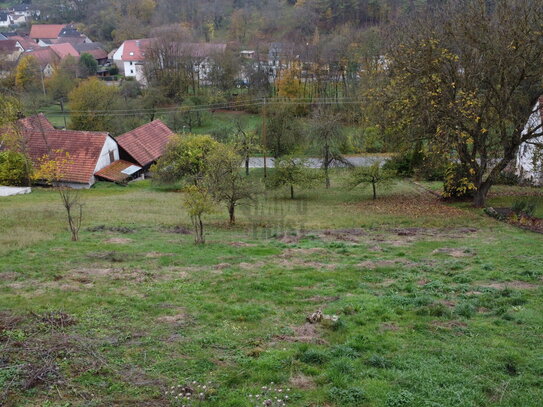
(94, 156)
(529, 166)
(49, 57)
(87, 152)
(43, 32)
(130, 57)
(10, 50)
(146, 144)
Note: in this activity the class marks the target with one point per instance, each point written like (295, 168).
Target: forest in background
(246, 22)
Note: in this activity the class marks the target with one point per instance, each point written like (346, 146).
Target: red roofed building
(87, 152)
(146, 144)
(130, 57)
(64, 50)
(40, 32)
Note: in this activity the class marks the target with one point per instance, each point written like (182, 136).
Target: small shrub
(352, 396)
(524, 207)
(344, 351)
(379, 361)
(465, 310)
(458, 184)
(402, 398)
(313, 356)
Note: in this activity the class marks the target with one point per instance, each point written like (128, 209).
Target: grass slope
(436, 305)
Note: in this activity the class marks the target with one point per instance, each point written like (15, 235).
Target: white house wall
(118, 58)
(104, 160)
(529, 158)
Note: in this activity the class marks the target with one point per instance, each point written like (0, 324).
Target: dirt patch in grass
(302, 382)
(138, 377)
(389, 326)
(517, 285)
(307, 333)
(119, 240)
(346, 235)
(113, 229)
(295, 263)
(180, 230)
(8, 276)
(375, 264)
(454, 252)
(288, 253)
(319, 299)
(177, 320)
(241, 244)
(157, 255)
(449, 325)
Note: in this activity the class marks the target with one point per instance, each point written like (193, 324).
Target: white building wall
(530, 156)
(118, 58)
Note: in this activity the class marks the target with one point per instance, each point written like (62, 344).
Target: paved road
(357, 161)
(10, 191)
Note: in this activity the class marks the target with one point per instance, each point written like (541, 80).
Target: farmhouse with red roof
(146, 144)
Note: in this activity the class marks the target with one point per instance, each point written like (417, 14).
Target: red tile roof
(35, 122)
(44, 56)
(46, 31)
(26, 43)
(134, 50)
(9, 45)
(83, 147)
(147, 143)
(114, 171)
(64, 50)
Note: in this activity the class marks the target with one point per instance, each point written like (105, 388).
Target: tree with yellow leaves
(465, 77)
(28, 73)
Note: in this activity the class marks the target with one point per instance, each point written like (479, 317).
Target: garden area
(329, 299)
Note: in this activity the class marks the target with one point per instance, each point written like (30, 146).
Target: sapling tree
(373, 175)
(245, 142)
(198, 202)
(293, 171)
(51, 169)
(327, 138)
(225, 181)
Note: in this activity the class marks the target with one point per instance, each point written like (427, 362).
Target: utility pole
(63, 113)
(264, 120)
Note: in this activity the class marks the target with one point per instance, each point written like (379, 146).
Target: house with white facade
(130, 57)
(529, 165)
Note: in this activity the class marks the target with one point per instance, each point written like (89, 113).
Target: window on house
(111, 156)
(131, 63)
(131, 71)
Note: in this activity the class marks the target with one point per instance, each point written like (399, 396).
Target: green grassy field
(425, 304)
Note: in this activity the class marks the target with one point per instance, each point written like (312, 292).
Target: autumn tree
(291, 171)
(466, 77)
(225, 181)
(327, 138)
(198, 202)
(374, 175)
(51, 169)
(88, 66)
(91, 105)
(283, 132)
(245, 142)
(185, 159)
(28, 74)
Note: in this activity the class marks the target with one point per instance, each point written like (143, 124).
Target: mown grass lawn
(436, 305)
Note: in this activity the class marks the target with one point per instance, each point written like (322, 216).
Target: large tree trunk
(479, 199)
(232, 214)
(247, 166)
(374, 191)
(291, 191)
